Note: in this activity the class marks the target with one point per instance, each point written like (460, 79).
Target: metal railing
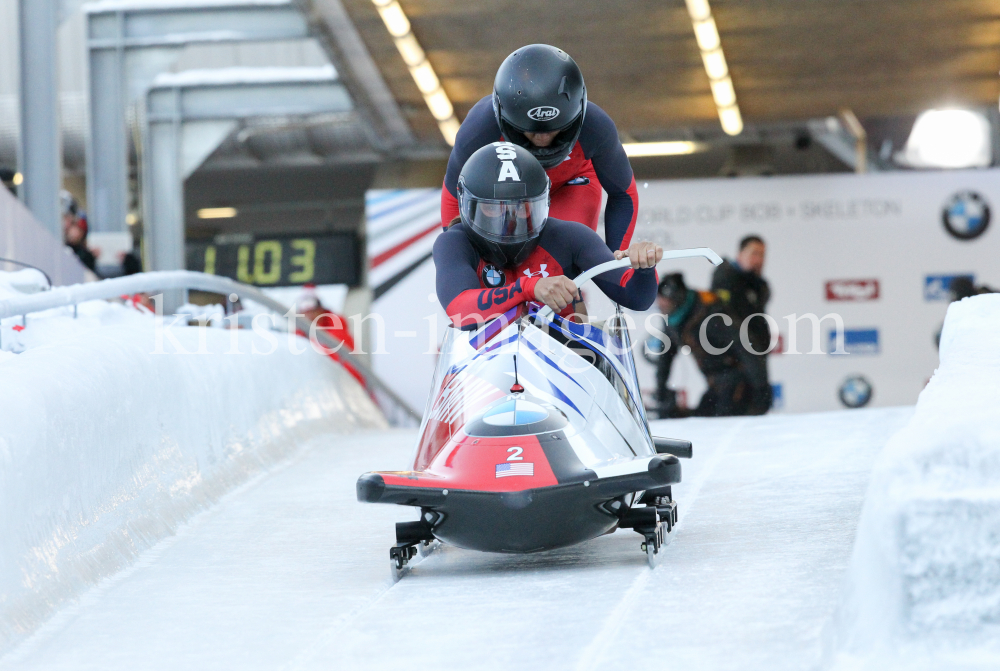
(395, 408)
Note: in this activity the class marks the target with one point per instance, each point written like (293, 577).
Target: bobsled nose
(370, 486)
(405, 489)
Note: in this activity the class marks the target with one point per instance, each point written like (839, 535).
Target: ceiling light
(394, 19)
(18, 179)
(707, 35)
(699, 9)
(410, 50)
(709, 43)
(439, 105)
(673, 148)
(425, 78)
(951, 138)
(731, 120)
(420, 68)
(449, 128)
(217, 213)
(723, 93)
(715, 64)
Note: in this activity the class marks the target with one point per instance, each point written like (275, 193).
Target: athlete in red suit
(591, 156)
(473, 291)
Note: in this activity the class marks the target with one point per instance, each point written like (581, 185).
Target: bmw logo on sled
(535, 438)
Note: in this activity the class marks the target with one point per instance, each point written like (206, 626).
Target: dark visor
(507, 220)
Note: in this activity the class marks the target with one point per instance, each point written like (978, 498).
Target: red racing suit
(473, 291)
(598, 160)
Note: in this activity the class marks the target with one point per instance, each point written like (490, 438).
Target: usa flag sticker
(506, 470)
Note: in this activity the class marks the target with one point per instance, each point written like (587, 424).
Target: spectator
(729, 385)
(330, 323)
(963, 287)
(131, 263)
(7, 177)
(740, 285)
(75, 231)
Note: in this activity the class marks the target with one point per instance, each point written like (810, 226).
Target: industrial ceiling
(790, 60)
(792, 63)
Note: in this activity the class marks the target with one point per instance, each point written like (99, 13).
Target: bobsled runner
(535, 438)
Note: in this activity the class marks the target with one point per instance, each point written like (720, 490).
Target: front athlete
(507, 250)
(539, 102)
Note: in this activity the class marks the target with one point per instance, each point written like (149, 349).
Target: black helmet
(673, 288)
(503, 197)
(540, 89)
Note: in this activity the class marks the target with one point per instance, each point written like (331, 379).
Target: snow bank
(924, 585)
(107, 445)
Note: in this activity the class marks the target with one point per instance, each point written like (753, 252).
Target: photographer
(739, 283)
(703, 323)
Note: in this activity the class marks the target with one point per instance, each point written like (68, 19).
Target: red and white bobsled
(535, 438)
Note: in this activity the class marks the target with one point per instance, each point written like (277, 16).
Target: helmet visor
(506, 220)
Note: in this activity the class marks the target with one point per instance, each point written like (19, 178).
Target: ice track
(290, 572)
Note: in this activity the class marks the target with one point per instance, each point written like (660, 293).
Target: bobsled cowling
(528, 470)
(535, 437)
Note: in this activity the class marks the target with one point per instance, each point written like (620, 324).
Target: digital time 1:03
(326, 259)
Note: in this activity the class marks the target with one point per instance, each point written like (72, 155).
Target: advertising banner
(878, 250)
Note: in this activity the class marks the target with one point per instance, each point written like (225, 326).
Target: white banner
(877, 249)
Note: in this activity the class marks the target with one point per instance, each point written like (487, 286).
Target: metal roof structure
(791, 64)
(790, 60)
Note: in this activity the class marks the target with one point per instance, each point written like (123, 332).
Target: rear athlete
(539, 102)
(507, 250)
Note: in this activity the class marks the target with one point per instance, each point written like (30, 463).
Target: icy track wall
(107, 448)
(926, 567)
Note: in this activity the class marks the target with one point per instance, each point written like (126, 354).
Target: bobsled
(534, 438)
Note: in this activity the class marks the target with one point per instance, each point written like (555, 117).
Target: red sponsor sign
(852, 290)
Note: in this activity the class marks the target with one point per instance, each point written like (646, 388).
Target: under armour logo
(541, 273)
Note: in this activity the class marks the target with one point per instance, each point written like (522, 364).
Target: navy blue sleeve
(633, 289)
(478, 130)
(463, 299)
(600, 143)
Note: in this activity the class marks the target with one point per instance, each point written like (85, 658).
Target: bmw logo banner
(860, 268)
(966, 215)
(855, 392)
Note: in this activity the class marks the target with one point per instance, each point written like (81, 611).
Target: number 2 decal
(517, 454)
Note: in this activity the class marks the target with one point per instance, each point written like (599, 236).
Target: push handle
(586, 276)
(674, 446)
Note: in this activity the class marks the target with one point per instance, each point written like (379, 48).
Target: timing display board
(280, 261)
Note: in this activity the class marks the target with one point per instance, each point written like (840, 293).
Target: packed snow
(115, 430)
(293, 573)
(924, 587)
